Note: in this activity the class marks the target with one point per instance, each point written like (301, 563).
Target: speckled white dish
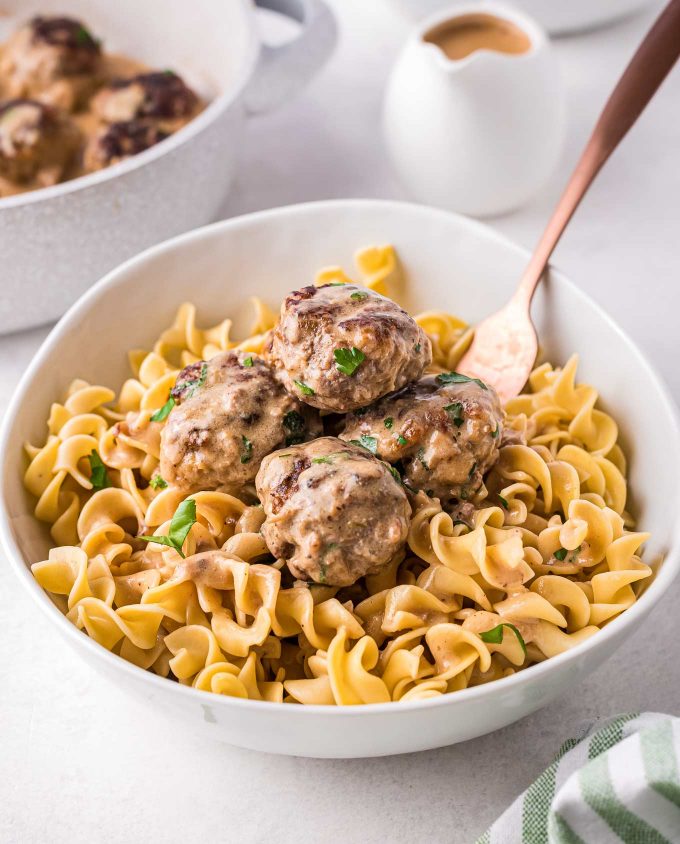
(56, 242)
(451, 263)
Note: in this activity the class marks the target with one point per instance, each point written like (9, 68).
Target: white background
(79, 761)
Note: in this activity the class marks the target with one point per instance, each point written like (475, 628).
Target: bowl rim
(663, 577)
(195, 126)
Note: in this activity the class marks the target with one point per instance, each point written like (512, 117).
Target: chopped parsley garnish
(495, 635)
(388, 422)
(303, 388)
(181, 524)
(457, 378)
(421, 456)
(248, 361)
(395, 474)
(472, 470)
(321, 460)
(417, 348)
(83, 37)
(494, 434)
(562, 553)
(202, 376)
(348, 361)
(402, 440)
(455, 410)
(294, 424)
(288, 454)
(157, 482)
(336, 284)
(162, 414)
(99, 477)
(323, 565)
(247, 454)
(369, 443)
(358, 296)
(185, 389)
(504, 501)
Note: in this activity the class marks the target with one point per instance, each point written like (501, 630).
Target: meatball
(334, 512)
(444, 430)
(119, 141)
(341, 347)
(37, 143)
(54, 59)
(230, 412)
(162, 96)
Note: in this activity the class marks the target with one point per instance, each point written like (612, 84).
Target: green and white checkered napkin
(620, 782)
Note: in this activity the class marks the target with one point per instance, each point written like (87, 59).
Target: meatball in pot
(161, 96)
(37, 143)
(54, 59)
(119, 141)
(229, 413)
(444, 431)
(334, 512)
(340, 347)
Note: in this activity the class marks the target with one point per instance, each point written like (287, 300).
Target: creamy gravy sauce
(464, 35)
(114, 66)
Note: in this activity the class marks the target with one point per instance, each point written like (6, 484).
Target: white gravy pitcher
(474, 111)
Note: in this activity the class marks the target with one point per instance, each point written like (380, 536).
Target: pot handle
(285, 69)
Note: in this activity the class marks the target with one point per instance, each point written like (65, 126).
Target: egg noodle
(548, 558)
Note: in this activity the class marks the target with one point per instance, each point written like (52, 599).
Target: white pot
(55, 242)
(451, 263)
(479, 135)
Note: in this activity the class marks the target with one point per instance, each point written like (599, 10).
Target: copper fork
(504, 348)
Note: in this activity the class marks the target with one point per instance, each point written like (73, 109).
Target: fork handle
(647, 69)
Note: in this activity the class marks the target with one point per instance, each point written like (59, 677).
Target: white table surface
(80, 761)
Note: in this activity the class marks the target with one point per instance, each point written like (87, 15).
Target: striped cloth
(619, 782)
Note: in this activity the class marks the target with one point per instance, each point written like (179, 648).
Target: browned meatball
(162, 96)
(119, 141)
(444, 430)
(54, 59)
(37, 143)
(230, 412)
(334, 512)
(340, 347)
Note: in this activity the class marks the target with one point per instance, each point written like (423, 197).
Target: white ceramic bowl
(56, 242)
(450, 263)
(557, 16)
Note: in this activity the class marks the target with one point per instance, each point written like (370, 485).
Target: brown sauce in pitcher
(460, 37)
